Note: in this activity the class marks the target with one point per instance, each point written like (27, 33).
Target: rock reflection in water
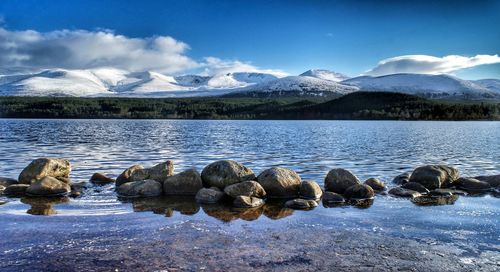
(43, 205)
(434, 200)
(185, 205)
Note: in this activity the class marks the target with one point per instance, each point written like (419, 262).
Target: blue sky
(346, 36)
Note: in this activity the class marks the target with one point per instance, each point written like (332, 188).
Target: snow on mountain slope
(420, 84)
(490, 84)
(192, 80)
(110, 76)
(147, 82)
(301, 84)
(325, 74)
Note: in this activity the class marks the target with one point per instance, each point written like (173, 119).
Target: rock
(376, 184)
(209, 195)
(361, 203)
(402, 192)
(429, 200)
(434, 176)
(446, 191)
(16, 190)
(185, 183)
(333, 198)
(301, 204)
(223, 173)
(435, 193)
(6, 182)
(494, 180)
(161, 172)
(359, 191)
(2, 188)
(64, 180)
(125, 176)
(310, 190)
(473, 185)
(142, 188)
(77, 189)
(415, 187)
(402, 178)
(280, 182)
(45, 167)
(338, 180)
(246, 188)
(100, 179)
(247, 202)
(3, 202)
(48, 186)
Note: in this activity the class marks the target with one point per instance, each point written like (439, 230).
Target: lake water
(98, 223)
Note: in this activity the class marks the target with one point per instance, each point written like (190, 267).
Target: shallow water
(381, 149)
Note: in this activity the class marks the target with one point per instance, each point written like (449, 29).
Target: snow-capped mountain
(490, 84)
(325, 74)
(434, 86)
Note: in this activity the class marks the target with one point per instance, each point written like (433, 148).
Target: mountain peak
(325, 74)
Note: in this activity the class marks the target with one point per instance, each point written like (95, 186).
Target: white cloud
(216, 66)
(81, 49)
(424, 64)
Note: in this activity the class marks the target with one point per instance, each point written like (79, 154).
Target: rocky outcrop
(48, 186)
(245, 188)
(6, 182)
(301, 204)
(310, 190)
(376, 184)
(473, 185)
(209, 195)
(402, 192)
(16, 190)
(415, 187)
(45, 167)
(359, 191)
(101, 179)
(402, 178)
(338, 180)
(247, 202)
(185, 183)
(434, 176)
(223, 173)
(142, 188)
(280, 182)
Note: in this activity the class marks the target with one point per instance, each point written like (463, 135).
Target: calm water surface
(381, 149)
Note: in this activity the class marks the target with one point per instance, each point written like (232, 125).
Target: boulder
(125, 176)
(473, 185)
(333, 198)
(280, 182)
(359, 191)
(185, 183)
(247, 202)
(209, 195)
(376, 184)
(415, 187)
(493, 181)
(48, 186)
(246, 188)
(45, 167)
(338, 180)
(161, 171)
(16, 190)
(100, 179)
(301, 204)
(142, 188)
(429, 200)
(78, 188)
(226, 172)
(434, 176)
(310, 190)
(6, 182)
(402, 178)
(402, 192)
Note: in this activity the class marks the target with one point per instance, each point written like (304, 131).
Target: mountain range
(104, 82)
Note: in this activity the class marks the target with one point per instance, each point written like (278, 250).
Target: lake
(99, 232)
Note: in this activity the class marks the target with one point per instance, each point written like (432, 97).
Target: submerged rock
(338, 180)
(310, 190)
(415, 187)
(402, 178)
(209, 195)
(402, 192)
(78, 188)
(333, 198)
(226, 172)
(429, 200)
(301, 204)
(280, 182)
(376, 184)
(48, 186)
(493, 181)
(245, 188)
(359, 191)
(185, 183)
(247, 202)
(100, 179)
(6, 182)
(447, 191)
(434, 176)
(142, 188)
(45, 167)
(473, 185)
(16, 190)
(43, 205)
